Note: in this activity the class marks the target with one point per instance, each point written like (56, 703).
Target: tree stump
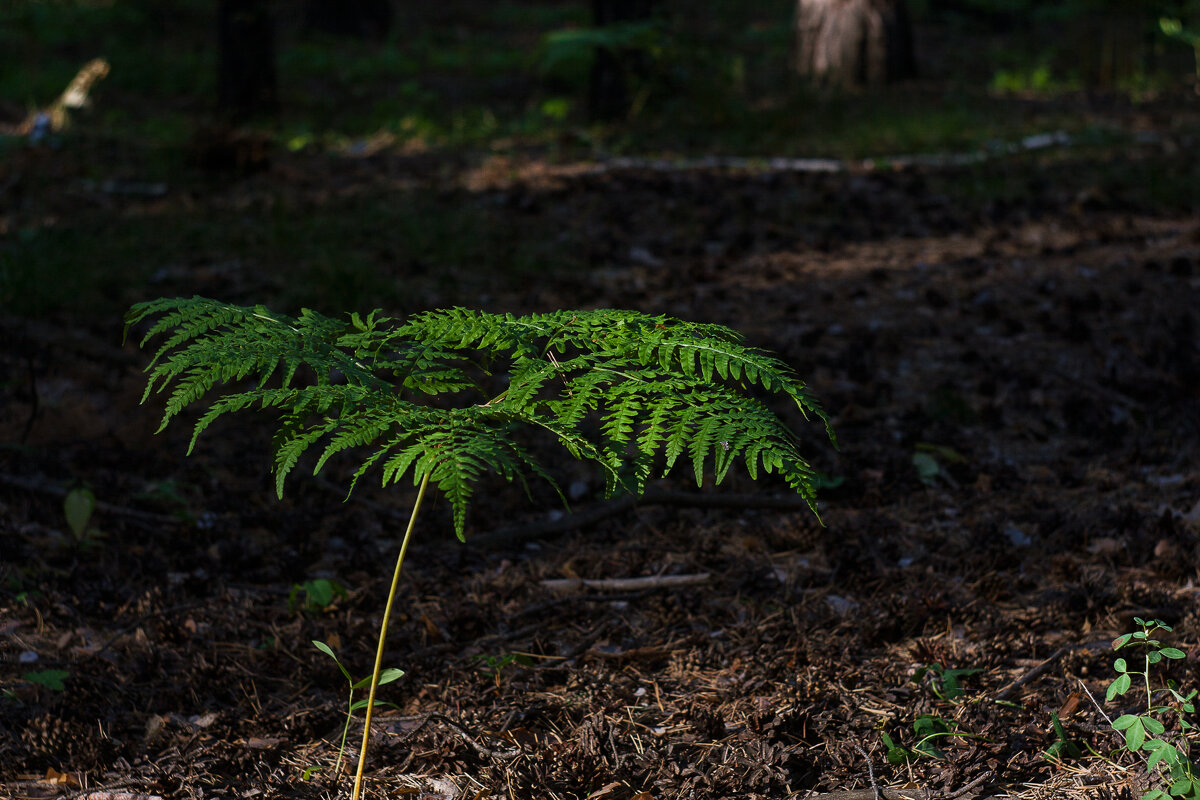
(853, 43)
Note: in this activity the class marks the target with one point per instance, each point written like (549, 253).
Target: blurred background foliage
(714, 75)
(462, 79)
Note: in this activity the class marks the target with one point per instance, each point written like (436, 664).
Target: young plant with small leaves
(928, 730)
(314, 596)
(1062, 748)
(946, 684)
(449, 395)
(386, 676)
(1167, 754)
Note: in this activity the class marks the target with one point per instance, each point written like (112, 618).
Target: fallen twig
(870, 770)
(625, 584)
(465, 733)
(1107, 718)
(1034, 673)
(884, 792)
(106, 792)
(890, 793)
(970, 787)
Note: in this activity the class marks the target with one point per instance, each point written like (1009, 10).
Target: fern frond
(618, 388)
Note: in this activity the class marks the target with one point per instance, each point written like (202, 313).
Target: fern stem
(383, 628)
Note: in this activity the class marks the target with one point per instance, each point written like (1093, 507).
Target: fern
(628, 391)
(442, 394)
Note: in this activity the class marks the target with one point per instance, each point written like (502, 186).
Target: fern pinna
(615, 387)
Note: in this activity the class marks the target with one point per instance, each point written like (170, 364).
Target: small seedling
(315, 595)
(1062, 748)
(1147, 732)
(450, 395)
(928, 728)
(945, 683)
(492, 666)
(385, 676)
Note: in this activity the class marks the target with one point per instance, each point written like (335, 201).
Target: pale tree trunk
(853, 43)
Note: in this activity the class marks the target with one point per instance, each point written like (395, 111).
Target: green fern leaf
(441, 394)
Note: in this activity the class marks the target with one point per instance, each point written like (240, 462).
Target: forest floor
(1010, 353)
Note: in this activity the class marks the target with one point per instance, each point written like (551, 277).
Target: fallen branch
(466, 734)
(890, 793)
(887, 793)
(624, 584)
(1037, 671)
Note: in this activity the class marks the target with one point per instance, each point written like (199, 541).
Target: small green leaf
(1120, 666)
(390, 674)
(1181, 787)
(78, 506)
(324, 648)
(1135, 734)
(1160, 751)
(51, 679)
(927, 468)
(1173, 652)
(1152, 725)
(1124, 721)
(1118, 687)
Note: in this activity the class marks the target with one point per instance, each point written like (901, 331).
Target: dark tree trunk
(850, 43)
(608, 86)
(246, 82)
(361, 19)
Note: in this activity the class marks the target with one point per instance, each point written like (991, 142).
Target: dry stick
(387, 617)
(890, 793)
(104, 789)
(870, 770)
(466, 734)
(1107, 718)
(885, 792)
(970, 786)
(624, 584)
(1037, 671)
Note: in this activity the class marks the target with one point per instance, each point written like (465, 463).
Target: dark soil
(1039, 345)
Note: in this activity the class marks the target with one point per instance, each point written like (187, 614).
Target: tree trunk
(854, 43)
(360, 19)
(608, 84)
(246, 82)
